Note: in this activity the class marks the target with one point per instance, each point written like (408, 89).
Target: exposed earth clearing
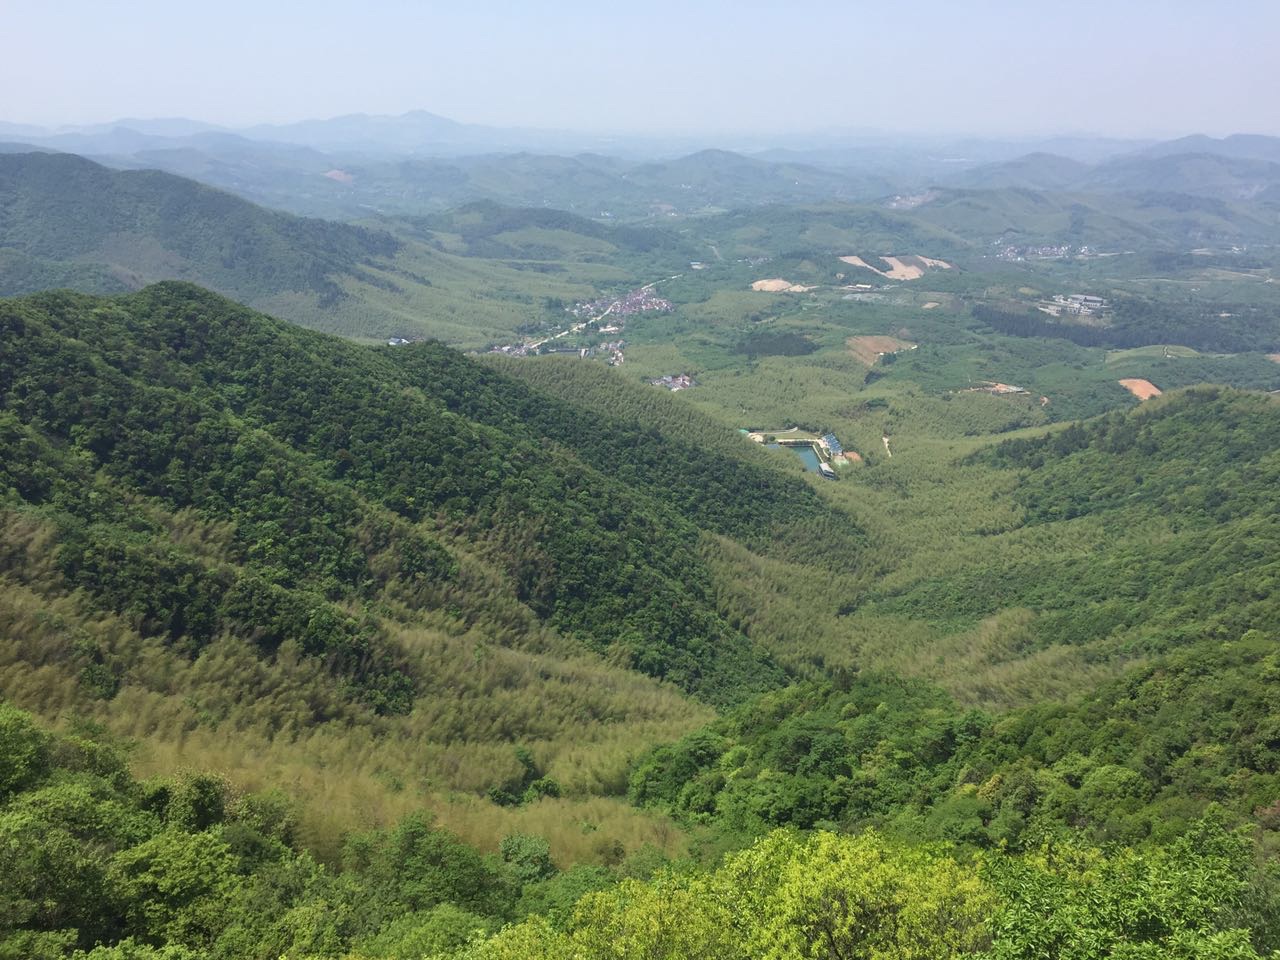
(1142, 389)
(778, 285)
(868, 349)
(901, 268)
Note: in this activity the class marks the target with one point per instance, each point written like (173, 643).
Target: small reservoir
(808, 457)
(806, 454)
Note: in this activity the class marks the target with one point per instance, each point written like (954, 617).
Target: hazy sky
(1125, 67)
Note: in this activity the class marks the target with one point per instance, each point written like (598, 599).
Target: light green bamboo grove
(100, 865)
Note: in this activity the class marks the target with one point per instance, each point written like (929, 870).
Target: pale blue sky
(1125, 68)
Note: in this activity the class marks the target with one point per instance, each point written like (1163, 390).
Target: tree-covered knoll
(1204, 456)
(1108, 222)
(1176, 502)
(99, 865)
(1137, 321)
(832, 229)
(1140, 757)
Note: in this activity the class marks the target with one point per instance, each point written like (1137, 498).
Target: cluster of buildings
(999, 389)
(601, 316)
(823, 451)
(1048, 251)
(1075, 305)
(612, 351)
(674, 383)
(517, 349)
(641, 300)
(909, 201)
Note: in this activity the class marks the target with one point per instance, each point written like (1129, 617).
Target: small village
(1048, 251)
(675, 382)
(641, 300)
(597, 312)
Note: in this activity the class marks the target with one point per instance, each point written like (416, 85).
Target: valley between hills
(477, 579)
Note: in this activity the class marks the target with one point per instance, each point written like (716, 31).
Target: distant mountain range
(1237, 168)
(68, 222)
(424, 133)
(356, 166)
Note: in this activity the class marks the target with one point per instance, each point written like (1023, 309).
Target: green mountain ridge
(1233, 169)
(62, 207)
(213, 516)
(356, 424)
(68, 222)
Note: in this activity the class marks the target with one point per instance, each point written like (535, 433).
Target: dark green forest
(1137, 322)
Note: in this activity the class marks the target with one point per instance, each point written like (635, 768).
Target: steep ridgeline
(335, 479)
(123, 228)
(1181, 583)
(706, 474)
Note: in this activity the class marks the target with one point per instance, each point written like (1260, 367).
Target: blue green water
(806, 455)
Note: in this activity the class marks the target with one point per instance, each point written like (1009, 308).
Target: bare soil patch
(869, 349)
(911, 267)
(1142, 389)
(778, 285)
(1274, 357)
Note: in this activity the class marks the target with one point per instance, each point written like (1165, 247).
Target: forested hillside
(598, 632)
(146, 224)
(1181, 578)
(344, 472)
